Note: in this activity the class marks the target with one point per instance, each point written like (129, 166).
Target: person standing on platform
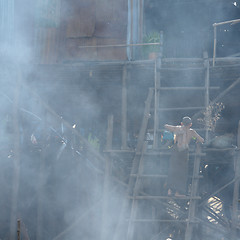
(178, 168)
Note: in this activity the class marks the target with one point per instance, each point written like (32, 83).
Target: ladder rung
(147, 153)
(158, 176)
(180, 108)
(164, 197)
(188, 88)
(119, 151)
(147, 175)
(158, 220)
(163, 129)
(157, 153)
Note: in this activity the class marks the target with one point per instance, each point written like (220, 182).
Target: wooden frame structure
(152, 105)
(137, 164)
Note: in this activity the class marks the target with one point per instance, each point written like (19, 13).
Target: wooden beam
(156, 101)
(16, 153)
(194, 190)
(109, 132)
(235, 212)
(124, 108)
(207, 84)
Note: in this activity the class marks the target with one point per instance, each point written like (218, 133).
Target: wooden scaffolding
(147, 212)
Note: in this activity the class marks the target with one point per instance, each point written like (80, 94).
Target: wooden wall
(92, 23)
(54, 29)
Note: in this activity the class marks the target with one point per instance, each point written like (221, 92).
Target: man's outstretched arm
(171, 128)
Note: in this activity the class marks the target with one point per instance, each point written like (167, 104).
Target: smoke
(61, 182)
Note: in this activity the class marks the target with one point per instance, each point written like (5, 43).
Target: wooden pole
(109, 132)
(140, 20)
(136, 189)
(235, 211)
(105, 204)
(214, 43)
(124, 108)
(18, 229)
(156, 101)
(16, 160)
(194, 190)
(41, 179)
(206, 65)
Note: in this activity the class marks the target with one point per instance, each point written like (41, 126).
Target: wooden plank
(162, 220)
(124, 108)
(159, 176)
(194, 190)
(164, 197)
(235, 221)
(16, 159)
(106, 196)
(188, 88)
(180, 108)
(136, 189)
(207, 84)
(109, 132)
(142, 132)
(157, 81)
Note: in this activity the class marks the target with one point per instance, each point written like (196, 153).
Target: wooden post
(194, 190)
(143, 129)
(16, 160)
(106, 179)
(206, 65)
(41, 178)
(136, 188)
(109, 132)
(156, 101)
(18, 229)
(105, 203)
(235, 210)
(124, 108)
(214, 43)
(140, 20)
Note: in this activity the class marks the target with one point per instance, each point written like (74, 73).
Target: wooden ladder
(135, 193)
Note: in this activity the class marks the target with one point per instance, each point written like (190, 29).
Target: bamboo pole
(214, 44)
(105, 203)
(109, 132)
(136, 189)
(107, 170)
(18, 229)
(156, 101)
(207, 83)
(124, 108)
(193, 199)
(235, 211)
(41, 178)
(121, 45)
(16, 160)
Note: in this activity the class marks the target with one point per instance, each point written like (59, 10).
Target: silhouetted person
(178, 168)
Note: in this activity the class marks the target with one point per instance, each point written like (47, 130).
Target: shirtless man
(178, 168)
